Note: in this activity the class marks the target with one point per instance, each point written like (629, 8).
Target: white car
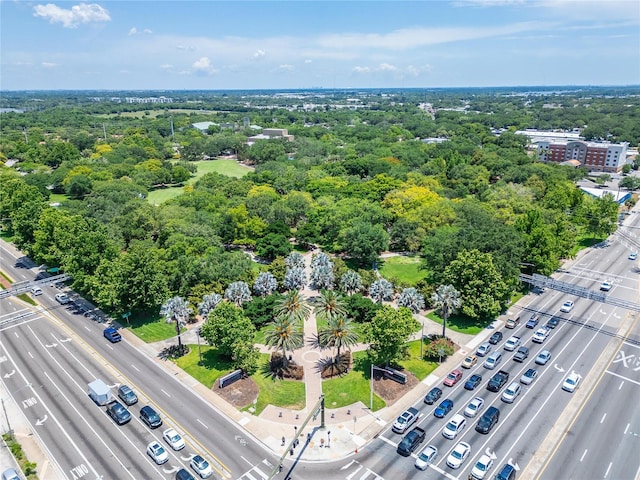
(173, 438)
(529, 376)
(512, 343)
(454, 426)
(541, 335)
(483, 349)
(571, 382)
(543, 357)
(474, 407)
(633, 256)
(567, 306)
(35, 291)
(511, 392)
(201, 467)
(605, 286)
(458, 455)
(481, 467)
(157, 453)
(404, 421)
(62, 298)
(426, 456)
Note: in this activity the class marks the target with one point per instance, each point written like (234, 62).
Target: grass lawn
(461, 324)
(57, 198)
(25, 297)
(230, 168)
(279, 393)
(152, 329)
(259, 337)
(213, 365)
(352, 387)
(420, 368)
(401, 269)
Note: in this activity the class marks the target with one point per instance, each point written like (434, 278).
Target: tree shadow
(172, 352)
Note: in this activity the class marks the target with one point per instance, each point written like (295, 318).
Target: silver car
(426, 456)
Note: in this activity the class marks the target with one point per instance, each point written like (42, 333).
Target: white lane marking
(135, 368)
(386, 440)
(583, 455)
(354, 473)
(198, 420)
(608, 468)
(603, 417)
(16, 334)
(348, 465)
(248, 475)
(621, 384)
(623, 377)
(165, 393)
(627, 429)
(31, 355)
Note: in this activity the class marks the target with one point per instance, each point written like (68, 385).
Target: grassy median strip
(151, 329)
(27, 467)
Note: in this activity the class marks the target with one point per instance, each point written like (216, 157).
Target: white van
(493, 360)
(35, 291)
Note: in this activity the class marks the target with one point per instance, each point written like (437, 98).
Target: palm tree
(284, 335)
(176, 310)
(351, 282)
(265, 284)
(295, 278)
(294, 259)
(339, 333)
(238, 293)
(412, 299)
(381, 290)
(322, 277)
(447, 299)
(292, 306)
(329, 306)
(208, 303)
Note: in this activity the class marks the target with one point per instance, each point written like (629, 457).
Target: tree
(339, 333)
(265, 284)
(238, 293)
(272, 245)
(294, 260)
(227, 327)
(388, 333)
(295, 278)
(601, 215)
(284, 334)
(361, 309)
(482, 290)
(351, 282)
(412, 299)
(446, 299)
(381, 290)
(322, 277)
(364, 242)
(176, 310)
(329, 306)
(261, 310)
(293, 306)
(208, 303)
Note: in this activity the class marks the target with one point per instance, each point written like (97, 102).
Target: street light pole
(422, 339)
(199, 351)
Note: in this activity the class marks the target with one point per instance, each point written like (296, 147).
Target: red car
(453, 378)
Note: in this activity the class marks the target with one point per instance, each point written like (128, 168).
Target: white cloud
(50, 64)
(387, 67)
(166, 66)
(135, 31)
(259, 54)
(307, 60)
(285, 68)
(189, 48)
(71, 18)
(418, 70)
(203, 66)
(359, 69)
(147, 31)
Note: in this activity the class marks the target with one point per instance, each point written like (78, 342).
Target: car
(404, 421)
(482, 466)
(483, 349)
(453, 378)
(184, 474)
(62, 298)
(444, 408)
(201, 466)
(426, 456)
(508, 472)
(498, 381)
(511, 392)
(553, 322)
(111, 334)
(541, 335)
(529, 376)
(533, 321)
(521, 354)
(127, 395)
(173, 438)
(604, 286)
(458, 455)
(10, 474)
(35, 291)
(433, 396)
(492, 360)
(473, 382)
(571, 382)
(488, 420)
(633, 256)
(512, 322)
(157, 453)
(150, 417)
(411, 441)
(567, 306)
(469, 361)
(495, 338)
(512, 343)
(118, 413)
(474, 407)
(543, 357)
(454, 426)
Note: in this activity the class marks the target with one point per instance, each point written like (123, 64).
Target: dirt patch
(240, 393)
(390, 390)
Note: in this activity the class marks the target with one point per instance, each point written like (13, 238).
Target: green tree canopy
(388, 333)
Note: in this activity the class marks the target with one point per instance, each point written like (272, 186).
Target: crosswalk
(352, 470)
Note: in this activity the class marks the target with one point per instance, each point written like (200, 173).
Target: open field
(405, 270)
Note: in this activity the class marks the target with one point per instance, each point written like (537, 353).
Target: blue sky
(331, 44)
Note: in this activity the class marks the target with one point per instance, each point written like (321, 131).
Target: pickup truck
(521, 354)
(411, 441)
(498, 381)
(405, 420)
(541, 335)
(512, 343)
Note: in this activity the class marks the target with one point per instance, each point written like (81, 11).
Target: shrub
(439, 348)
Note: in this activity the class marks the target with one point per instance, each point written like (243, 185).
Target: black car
(473, 382)
(553, 322)
(118, 413)
(411, 441)
(488, 420)
(433, 396)
(127, 395)
(495, 338)
(521, 354)
(150, 417)
(184, 475)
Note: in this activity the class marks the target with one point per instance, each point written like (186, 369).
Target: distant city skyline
(224, 45)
